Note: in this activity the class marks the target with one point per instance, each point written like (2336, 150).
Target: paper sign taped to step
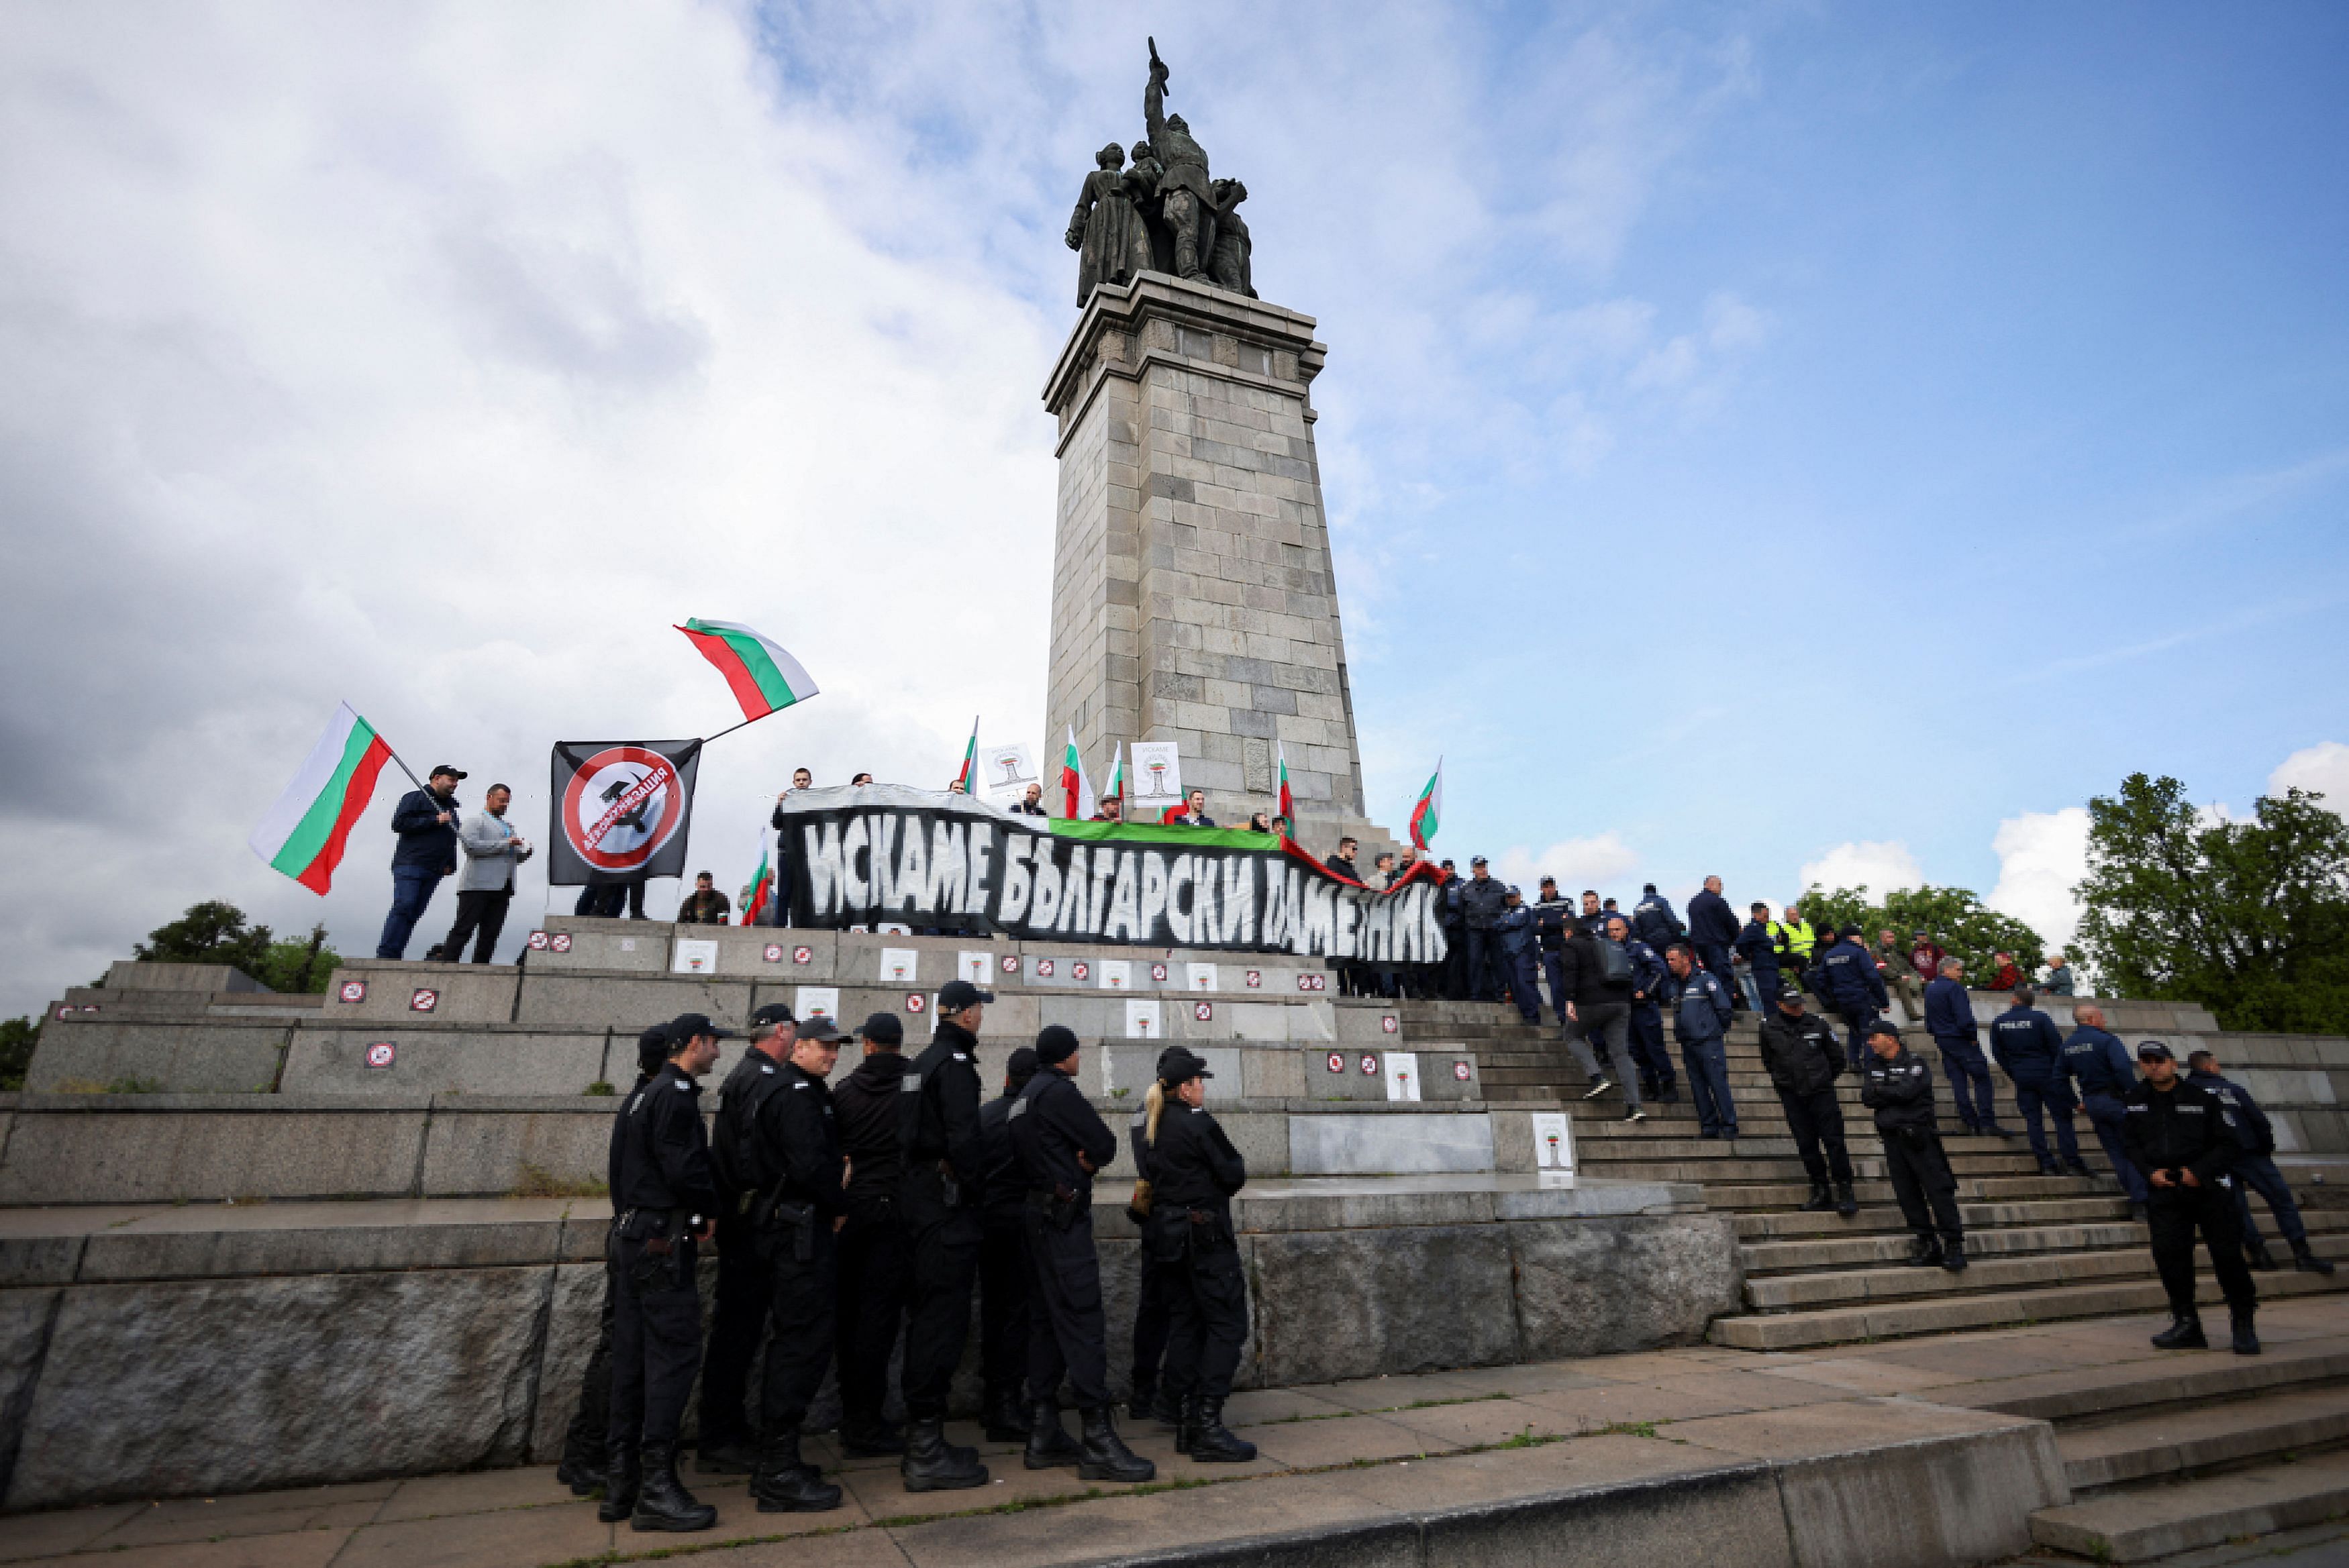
(817, 1002)
(1141, 1020)
(1117, 974)
(898, 964)
(688, 956)
(1553, 1148)
(1403, 1074)
(1203, 976)
(973, 967)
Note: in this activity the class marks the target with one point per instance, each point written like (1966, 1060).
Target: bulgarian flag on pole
(968, 779)
(1076, 790)
(1424, 816)
(762, 882)
(1287, 806)
(1116, 790)
(304, 832)
(762, 671)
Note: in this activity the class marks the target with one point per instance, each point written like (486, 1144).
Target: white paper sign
(1157, 779)
(898, 964)
(817, 1002)
(1403, 1074)
(688, 956)
(976, 967)
(1553, 1146)
(1203, 976)
(1117, 974)
(1141, 1020)
(1005, 770)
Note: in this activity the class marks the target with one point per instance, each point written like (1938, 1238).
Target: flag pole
(732, 727)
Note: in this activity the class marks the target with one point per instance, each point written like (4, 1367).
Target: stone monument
(1193, 596)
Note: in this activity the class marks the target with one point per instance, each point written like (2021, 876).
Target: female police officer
(1194, 1171)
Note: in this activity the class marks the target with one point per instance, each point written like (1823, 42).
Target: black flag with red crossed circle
(622, 809)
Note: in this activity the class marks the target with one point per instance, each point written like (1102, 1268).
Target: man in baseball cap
(689, 1026)
(2181, 1135)
(955, 995)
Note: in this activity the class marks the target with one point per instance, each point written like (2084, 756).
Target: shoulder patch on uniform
(802, 1084)
(910, 1084)
(1018, 1108)
(960, 1056)
(685, 1088)
(767, 1069)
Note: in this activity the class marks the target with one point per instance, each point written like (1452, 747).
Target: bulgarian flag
(1076, 790)
(968, 779)
(1116, 790)
(762, 882)
(1424, 816)
(762, 671)
(1287, 807)
(304, 832)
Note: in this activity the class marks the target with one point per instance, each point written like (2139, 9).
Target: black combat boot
(725, 1455)
(1104, 1454)
(662, 1502)
(2239, 1323)
(784, 1483)
(1006, 1422)
(1926, 1253)
(1953, 1256)
(871, 1439)
(2184, 1333)
(2077, 1167)
(1049, 1447)
(1207, 1439)
(582, 1468)
(1846, 1203)
(2051, 1168)
(933, 1464)
(1820, 1200)
(623, 1477)
(2256, 1254)
(2307, 1262)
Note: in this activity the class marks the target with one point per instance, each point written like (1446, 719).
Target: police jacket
(937, 1110)
(1655, 924)
(1649, 972)
(2184, 1128)
(1003, 1189)
(1794, 942)
(1900, 1091)
(1711, 920)
(1950, 1012)
(1801, 1054)
(1516, 929)
(1194, 1165)
(732, 1145)
(1481, 903)
(660, 1155)
(2253, 1132)
(2099, 1063)
(1582, 974)
(1451, 919)
(1550, 916)
(424, 844)
(799, 1142)
(1760, 950)
(1701, 1009)
(2028, 1045)
(1052, 1123)
(867, 1105)
(1845, 978)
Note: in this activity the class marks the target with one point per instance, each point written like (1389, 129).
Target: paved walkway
(1335, 1454)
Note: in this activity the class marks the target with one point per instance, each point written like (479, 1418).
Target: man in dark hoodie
(876, 1264)
(1597, 978)
(1003, 1267)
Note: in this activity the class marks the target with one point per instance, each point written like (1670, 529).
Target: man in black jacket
(1483, 901)
(1189, 1242)
(1712, 932)
(2255, 1170)
(945, 1170)
(426, 821)
(1648, 973)
(1899, 1088)
(1003, 1268)
(1596, 974)
(664, 1199)
(2183, 1138)
(1060, 1142)
(875, 1265)
(738, 1317)
(1653, 922)
(1804, 1058)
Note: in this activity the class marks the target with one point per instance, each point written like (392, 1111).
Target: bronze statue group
(1162, 212)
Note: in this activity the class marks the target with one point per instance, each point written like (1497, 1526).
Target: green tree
(1953, 915)
(216, 932)
(16, 1038)
(2248, 916)
(298, 963)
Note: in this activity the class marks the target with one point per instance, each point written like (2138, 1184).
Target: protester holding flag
(1284, 803)
(1426, 813)
(426, 821)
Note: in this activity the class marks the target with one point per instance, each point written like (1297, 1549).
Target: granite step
(1751, 1196)
(2184, 1515)
(1771, 1226)
(1985, 1237)
(2164, 1442)
(1990, 1271)
(2078, 1395)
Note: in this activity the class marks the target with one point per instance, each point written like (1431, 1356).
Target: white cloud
(2042, 856)
(1878, 867)
(2321, 769)
(1596, 861)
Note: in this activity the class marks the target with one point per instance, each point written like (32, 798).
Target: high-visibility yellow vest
(1797, 940)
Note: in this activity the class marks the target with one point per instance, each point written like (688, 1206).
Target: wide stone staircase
(2041, 1247)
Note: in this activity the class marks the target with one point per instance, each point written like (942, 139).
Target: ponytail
(1153, 1105)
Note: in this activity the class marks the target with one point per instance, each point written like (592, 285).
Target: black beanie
(1055, 1043)
(652, 1050)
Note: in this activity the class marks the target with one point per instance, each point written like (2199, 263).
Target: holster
(1062, 1206)
(800, 1220)
(949, 1184)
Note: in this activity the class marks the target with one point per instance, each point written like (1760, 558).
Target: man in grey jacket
(493, 849)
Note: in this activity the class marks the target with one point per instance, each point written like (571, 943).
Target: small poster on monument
(1006, 771)
(1157, 779)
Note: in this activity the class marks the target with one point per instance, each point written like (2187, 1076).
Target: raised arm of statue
(1153, 96)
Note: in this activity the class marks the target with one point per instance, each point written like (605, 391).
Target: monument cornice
(1126, 309)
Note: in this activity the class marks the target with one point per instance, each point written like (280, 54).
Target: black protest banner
(877, 854)
(621, 810)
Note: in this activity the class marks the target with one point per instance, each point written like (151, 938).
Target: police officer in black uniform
(1003, 1271)
(663, 1202)
(586, 1441)
(1804, 1058)
(738, 1319)
(1153, 1397)
(1189, 1242)
(875, 1269)
(2183, 1138)
(1899, 1089)
(946, 1168)
(796, 1209)
(1061, 1141)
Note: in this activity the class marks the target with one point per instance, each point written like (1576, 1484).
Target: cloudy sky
(1787, 441)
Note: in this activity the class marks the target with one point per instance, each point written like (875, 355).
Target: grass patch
(1628, 1430)
(537, 1182)
(599, 1089)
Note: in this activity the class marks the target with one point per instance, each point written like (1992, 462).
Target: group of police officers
(842, 1217)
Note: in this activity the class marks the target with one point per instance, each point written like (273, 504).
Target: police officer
(1189, 1242)
(939, 1205)
(1153, 1397)
(1003, 1271)
(1059, 1142)
(2099, 1067)
(1648, 975)
(2255, 1171)
(1795, 940)
(1899, 1088)
(1551, 912)
(1760, 952)
(2030, 1050)
(1653, 921)
(1949, 1020)
(586, 1440)
(1701, 1017)
(664, 1201)
(1804, 1058)
(1482, 900)
(1843, 977)
(740, 1317)
(874, 1268)
(799, 1207)
(1514, 932)
(2182, 1137)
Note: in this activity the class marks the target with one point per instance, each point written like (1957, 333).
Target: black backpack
(1614, 963)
